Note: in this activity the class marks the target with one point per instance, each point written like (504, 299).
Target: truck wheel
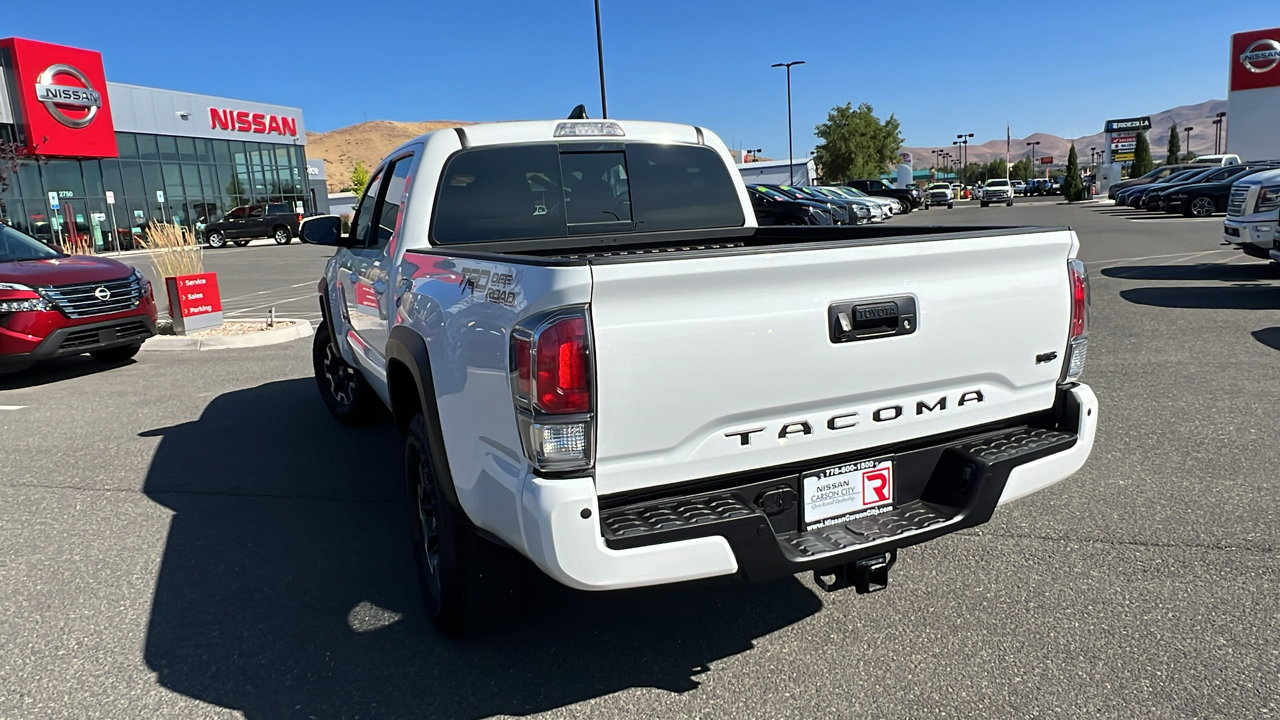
(951, 206)
(1009, 203)
(344, 390)
(216, 239)
(116, 354)
(451, 559)
(282, 235)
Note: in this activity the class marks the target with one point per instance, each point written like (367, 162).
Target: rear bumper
(942, 488)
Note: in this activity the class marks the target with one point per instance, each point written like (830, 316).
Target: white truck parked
(1253, 214)
(599, 361)
(996, 191)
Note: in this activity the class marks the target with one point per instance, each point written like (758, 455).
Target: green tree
(358, 180)
(996, 169)
(1142, 163)
(1175, 146)
(856, 144)
(1021, 170)
(1072, 187)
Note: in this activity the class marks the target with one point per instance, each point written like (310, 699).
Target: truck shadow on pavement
(1223, 272)
(1250, 297)
(1268, 336)
(287, 587)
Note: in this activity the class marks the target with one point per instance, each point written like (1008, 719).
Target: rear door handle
(870, 319)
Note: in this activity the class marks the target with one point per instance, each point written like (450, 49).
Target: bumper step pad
(963, 491)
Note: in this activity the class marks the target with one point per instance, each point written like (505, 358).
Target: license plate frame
(835, 494)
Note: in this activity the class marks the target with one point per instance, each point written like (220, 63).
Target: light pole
(790, 152)
(935, 161)
(755, 154)
(1093, 154)
(1188, 143)
(604, 106)
(964, 148)
(1033, 145)
(1217, 132)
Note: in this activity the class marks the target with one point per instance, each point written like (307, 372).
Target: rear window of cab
(540, 191)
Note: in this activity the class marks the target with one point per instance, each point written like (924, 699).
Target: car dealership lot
(192, 535)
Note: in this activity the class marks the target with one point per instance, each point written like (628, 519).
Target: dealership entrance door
(83, 227)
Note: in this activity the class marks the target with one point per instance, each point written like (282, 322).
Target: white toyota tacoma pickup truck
(599, 361)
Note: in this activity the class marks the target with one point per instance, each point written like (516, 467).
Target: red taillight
(299, 217)
(563, 367)
(1079, 298)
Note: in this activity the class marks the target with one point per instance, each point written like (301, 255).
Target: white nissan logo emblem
(102, 294)
(1261, 56)
(56, 97)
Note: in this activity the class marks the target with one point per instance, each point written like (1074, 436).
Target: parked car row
(820, 205)
(1190, 190)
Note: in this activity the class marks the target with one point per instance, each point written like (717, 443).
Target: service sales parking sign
(1255, 59)
(60, 95)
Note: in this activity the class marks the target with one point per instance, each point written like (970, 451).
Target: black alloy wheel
(344, 390)
(282, 235)
(1201, 206)
(216, 239)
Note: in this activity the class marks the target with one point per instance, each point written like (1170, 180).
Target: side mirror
(321, 230)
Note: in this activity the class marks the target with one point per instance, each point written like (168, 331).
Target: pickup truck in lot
(1253, 214)
(599, 361)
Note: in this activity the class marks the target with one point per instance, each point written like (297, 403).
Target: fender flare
(407, 348)
(327, 314)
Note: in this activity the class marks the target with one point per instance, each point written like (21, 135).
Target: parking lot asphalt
(191, 535)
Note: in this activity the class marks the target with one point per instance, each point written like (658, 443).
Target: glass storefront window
(127, 145)
(191, 180)
(187, 149)
(153, 179)
(221, 151)
(168, 147)
(111, 177)
(173, 180)
(131, 172)
(92, 178)
(14, 215)
(29, 183)
(147, 149)
(237, 153)
(63, 176)
(204, 150)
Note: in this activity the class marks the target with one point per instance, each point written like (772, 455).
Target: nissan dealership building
(93, 155)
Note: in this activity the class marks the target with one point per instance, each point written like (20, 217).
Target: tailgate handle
(870, 319)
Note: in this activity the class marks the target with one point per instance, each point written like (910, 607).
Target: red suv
(53, 305)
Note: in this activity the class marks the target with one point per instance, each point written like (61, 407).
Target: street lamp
(1093, 152)
(754, 154)
(964, 148)
(1188, 143)
(790, 152)
(1033, 145)
(1217, 132)
(604, 106)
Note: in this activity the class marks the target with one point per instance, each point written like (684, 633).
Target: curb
(296, 329)
(257, 242)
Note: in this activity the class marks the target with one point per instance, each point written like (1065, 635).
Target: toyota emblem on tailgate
(102, 294)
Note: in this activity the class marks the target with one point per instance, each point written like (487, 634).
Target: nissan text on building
(100, 155)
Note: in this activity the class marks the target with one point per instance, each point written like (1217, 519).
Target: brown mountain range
(369, 142)
(1199, 117)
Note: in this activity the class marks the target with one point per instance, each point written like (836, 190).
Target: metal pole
(791, 153)
(1189, 129)
(115, 231)
(604, 106)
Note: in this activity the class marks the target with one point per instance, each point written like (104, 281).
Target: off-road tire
(116, 354)
(455, 567)
(342, 388)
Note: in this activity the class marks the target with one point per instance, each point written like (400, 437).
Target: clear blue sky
(941, 67)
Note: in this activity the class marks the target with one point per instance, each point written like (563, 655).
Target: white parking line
(12, 407)
(1176, 219)
(277, 302)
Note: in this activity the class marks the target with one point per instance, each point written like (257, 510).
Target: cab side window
(389, 202)
(256, 211)
(364, 214)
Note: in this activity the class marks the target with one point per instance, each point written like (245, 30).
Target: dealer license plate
(838, 494)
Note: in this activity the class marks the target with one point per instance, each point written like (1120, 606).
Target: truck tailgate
(724, 363)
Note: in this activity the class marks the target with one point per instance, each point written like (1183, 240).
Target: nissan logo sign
(1261, 56)
(56, 97)
(102, 294)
